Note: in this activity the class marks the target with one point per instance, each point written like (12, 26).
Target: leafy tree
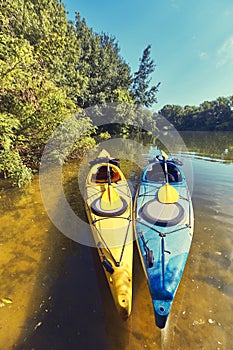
(31, 107)
(141, 91)
(190, 118)
(209, 115)
(224, 113)
(108, 76)
(173, 113)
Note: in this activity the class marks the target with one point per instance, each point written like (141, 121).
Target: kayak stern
(121, 287)
(124, 305)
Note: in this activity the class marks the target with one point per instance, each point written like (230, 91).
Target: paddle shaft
(109, 181)
(165, 156)
(166, 171)
(163, 262)
(108, 174)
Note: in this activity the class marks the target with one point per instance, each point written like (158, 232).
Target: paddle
(109, 182)
(110, 199)
(106, 263)
(167, 194)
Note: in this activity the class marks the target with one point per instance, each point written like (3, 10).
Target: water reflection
(60, 298)
(212, 145)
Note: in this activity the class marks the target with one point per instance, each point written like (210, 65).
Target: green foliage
(103, 136)
(141, 91)
(210, 115)
(11, 164)
(31, 107)
(12, 167)
(50, 68)
(108, 76)
(71, 139)
(121, 95)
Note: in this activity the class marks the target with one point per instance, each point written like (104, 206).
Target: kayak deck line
(114, 217)
(163, 234)
(117, 263)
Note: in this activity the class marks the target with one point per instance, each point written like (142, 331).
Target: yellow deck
(114, 234)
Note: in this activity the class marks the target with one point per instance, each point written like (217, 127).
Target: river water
(53, 290)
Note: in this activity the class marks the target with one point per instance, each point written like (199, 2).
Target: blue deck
(170, 244)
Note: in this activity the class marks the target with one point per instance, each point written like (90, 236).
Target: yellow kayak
(108, 203)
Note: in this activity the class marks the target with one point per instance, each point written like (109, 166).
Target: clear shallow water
(59, 295)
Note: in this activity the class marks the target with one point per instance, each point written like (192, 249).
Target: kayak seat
(102, 175)
(157, 173)
(174, 174)
(155, 176)
(159, 177)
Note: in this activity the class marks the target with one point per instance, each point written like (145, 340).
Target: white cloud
(203, 55)
(228, 13)
(225, 53)
(175, 4)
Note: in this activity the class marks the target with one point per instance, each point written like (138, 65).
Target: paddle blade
(110, 199)
(164, 154)
(168, 194)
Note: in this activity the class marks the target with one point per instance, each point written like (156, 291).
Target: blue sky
(191, 40)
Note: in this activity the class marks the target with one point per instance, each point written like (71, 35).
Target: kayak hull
(164, 234)
(112, 232)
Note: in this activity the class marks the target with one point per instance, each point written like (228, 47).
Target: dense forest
(52, 68)
(210, 115)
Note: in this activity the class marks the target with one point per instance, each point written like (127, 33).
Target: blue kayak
(164, 223)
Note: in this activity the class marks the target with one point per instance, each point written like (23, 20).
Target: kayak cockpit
(156, 173)
(107, 179)
(100, 174)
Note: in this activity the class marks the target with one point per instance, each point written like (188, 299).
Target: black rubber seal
(154, 219)
(108, 213)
